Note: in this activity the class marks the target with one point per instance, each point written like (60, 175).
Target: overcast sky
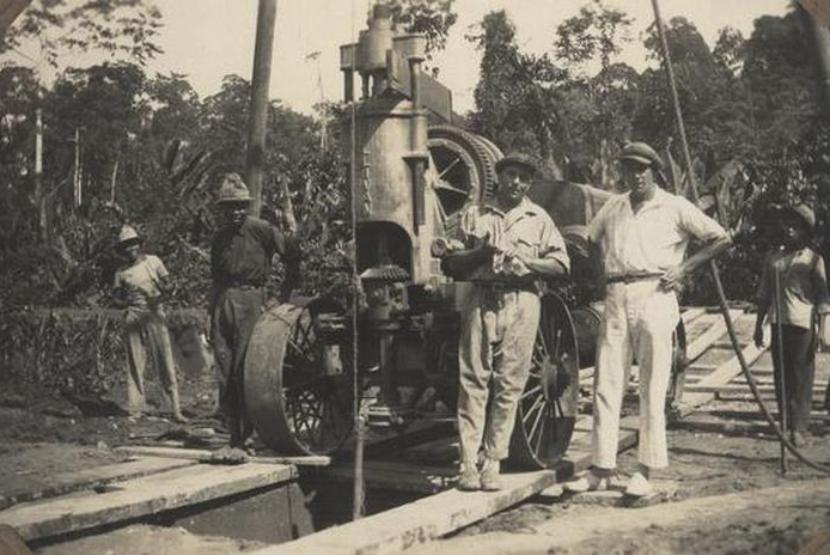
(207, 39)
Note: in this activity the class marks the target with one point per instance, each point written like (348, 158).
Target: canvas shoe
(638, 486)
(468, 478)
(801, 439)
(589, 481)
(490, 480)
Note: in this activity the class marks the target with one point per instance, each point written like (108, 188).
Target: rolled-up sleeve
(552, 244)
(694, 222)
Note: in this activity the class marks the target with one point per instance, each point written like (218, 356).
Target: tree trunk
(821, 41)
(40, 196)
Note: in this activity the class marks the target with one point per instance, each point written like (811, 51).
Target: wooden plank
(744, 388)
(817, 401)
(399, 476)
(691, 314)
(203, 455)
(699, 367)
(141, 497)
(697, 347)
(725, 344)
(68, 482)
(418, 522)
(440, 514)
(731, 369)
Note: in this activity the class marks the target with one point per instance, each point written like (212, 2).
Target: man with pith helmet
(641, 236)
(509, 243)
(240, 260)
(139, 286)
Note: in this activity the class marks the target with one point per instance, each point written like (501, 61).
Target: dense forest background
(121, 145)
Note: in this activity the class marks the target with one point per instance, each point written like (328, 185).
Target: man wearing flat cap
(509, 242)
(642, 236)
(240, 261)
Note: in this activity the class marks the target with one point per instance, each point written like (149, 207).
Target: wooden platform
(92, 478)
(137, 497)
(725, 380)
(203, 455)
(418, 522)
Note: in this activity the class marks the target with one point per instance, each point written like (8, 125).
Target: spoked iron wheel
(548, 407)
(464, 166)
(298, 394)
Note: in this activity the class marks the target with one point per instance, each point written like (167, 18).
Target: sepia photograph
(369, 277)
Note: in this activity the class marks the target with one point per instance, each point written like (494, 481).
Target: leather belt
(506, 286)
(244, 286)
(631, 278)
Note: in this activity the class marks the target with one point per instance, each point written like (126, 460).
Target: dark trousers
(234, 314)
(798, 371)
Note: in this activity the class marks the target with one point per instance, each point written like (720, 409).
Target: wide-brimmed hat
(642, 153)
(233, 189)
(128, 236)
(518, 159)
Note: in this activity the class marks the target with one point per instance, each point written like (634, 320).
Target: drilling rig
(413, 174)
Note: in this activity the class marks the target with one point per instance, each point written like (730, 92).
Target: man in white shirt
(642, 235)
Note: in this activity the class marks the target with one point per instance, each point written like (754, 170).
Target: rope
(730, 328)
(781, 380)
(359, 493)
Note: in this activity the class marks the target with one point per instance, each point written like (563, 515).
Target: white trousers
(639, 320)
(489, 320)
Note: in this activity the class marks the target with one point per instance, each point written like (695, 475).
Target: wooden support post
(258, 123)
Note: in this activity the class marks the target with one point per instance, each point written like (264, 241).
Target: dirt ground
(46, 435)
(723, 493)
(732, 470)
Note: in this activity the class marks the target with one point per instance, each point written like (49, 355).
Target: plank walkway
(134, 498)
(203, 455)
(166, 478)
(725, 380)
(418, 522)
(92, 478)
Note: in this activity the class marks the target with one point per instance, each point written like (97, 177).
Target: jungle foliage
(147, 150)
(751, 108)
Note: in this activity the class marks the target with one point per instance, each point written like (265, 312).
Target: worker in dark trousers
(801, 295)
(240, 259)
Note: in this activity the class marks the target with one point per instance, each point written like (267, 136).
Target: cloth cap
(128, 235)
(518, 159)
(803, 212)
(642, 153)
(233, 189)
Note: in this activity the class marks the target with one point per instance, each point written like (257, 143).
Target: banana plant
(723, 193)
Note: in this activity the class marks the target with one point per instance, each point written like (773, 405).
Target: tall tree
(515, 97)
(49, 30)
(603, 97)
(433, 18)
(778, 70)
